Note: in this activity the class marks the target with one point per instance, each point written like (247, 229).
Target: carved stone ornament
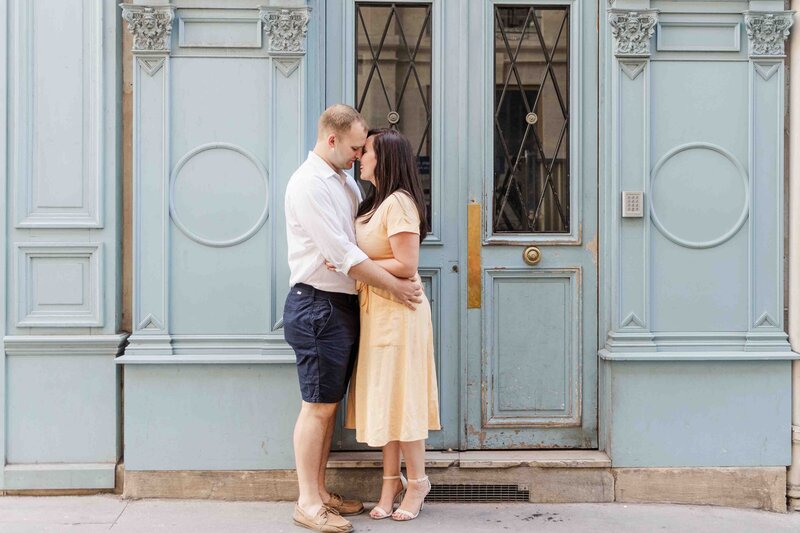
(150, 26)
(766, 32)
(632, 31)
(286, 28)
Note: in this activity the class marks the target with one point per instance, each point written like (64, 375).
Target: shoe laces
(329, 510)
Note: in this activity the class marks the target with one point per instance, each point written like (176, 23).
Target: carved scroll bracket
(150, 26)
(286, 28)
(767, 32)
(632, 31)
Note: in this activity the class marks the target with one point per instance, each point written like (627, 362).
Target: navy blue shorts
(322, 329)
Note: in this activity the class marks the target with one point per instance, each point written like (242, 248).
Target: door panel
(531, 363)
(393, 73)
(537, 384)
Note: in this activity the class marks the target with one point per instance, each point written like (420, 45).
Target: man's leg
(309, 441)
(337, 342)
(323, 463)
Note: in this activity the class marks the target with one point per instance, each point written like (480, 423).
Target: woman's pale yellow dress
(393, 392)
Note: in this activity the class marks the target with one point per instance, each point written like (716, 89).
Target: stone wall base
(754, 488)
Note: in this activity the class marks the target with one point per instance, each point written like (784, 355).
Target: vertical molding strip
(630, 170)
(286, 30)
(151, 27)
(793, 476)
(766, 33)
(4, 38)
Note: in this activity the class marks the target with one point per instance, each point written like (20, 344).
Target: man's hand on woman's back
(408, 291)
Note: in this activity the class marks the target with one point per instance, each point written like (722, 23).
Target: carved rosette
(151, 26)
(766, 32)
(632, 31)
(286, 29)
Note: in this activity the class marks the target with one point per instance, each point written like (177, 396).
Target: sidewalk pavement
(90, 514)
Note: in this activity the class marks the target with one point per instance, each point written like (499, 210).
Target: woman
(393, 399)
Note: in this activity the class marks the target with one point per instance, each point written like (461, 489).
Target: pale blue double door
(499, 100)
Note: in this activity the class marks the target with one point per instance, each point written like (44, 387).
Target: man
(320, 317)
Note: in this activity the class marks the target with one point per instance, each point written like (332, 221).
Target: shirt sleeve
(317, 216)
(401, 215)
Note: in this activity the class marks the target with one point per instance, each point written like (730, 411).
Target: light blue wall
(697, 413)
(695, 369)
(59, 162)
(210, 417)
(221, 118)
(689, 300)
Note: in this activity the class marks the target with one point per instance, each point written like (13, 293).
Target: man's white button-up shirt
(321, 206)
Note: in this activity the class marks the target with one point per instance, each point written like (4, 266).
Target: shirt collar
(324, 168)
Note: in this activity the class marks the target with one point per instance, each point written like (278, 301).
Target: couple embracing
(356, 308)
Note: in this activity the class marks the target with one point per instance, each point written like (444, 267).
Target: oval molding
(736, 225)
(173, 212)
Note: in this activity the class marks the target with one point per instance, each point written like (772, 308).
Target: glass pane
(531, 120)
(393, 75)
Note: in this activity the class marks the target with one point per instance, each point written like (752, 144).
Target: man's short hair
(338, 118)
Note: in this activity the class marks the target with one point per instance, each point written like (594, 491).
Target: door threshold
(483, 459)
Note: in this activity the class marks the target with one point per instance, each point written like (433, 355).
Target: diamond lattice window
(393, 74)
(531, 120)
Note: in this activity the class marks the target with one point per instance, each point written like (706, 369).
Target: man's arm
(325, 230)
(408, 291)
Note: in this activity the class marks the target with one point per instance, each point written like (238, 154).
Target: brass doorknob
(532, 255)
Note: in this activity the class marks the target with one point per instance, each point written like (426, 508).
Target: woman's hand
(330, 266)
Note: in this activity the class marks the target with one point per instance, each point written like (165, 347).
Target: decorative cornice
(286, 29)
(150, 26)
(632, 31)
(63, 345)
(767, 31)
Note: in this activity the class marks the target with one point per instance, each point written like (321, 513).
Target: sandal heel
(408, 516)
(397, 498)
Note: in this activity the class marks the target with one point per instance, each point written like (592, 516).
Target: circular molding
(742, 216)
(393, 117)
(531, 118)
(173, 212)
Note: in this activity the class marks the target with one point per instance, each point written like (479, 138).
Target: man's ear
(332, 141)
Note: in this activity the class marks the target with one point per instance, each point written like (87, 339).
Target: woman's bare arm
(405, 249)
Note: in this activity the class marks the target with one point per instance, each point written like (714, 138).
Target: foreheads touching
(337, 120)
(341, 134)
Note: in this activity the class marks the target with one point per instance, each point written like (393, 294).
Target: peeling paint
(591, 246)
(481, 435)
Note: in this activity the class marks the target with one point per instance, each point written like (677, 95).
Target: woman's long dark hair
(395, 170)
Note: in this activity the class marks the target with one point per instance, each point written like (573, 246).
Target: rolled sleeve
(352, 258)
(325, 229)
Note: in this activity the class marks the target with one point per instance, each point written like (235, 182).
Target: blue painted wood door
(520, 371)
(532, 344)
(389, 60)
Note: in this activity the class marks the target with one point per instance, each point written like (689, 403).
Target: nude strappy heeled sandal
(397, 498)
(406, 514)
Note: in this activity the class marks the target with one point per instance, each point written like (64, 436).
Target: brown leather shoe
(345, 507)
(326, 520)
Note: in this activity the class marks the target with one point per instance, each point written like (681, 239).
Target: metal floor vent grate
(471, 493)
